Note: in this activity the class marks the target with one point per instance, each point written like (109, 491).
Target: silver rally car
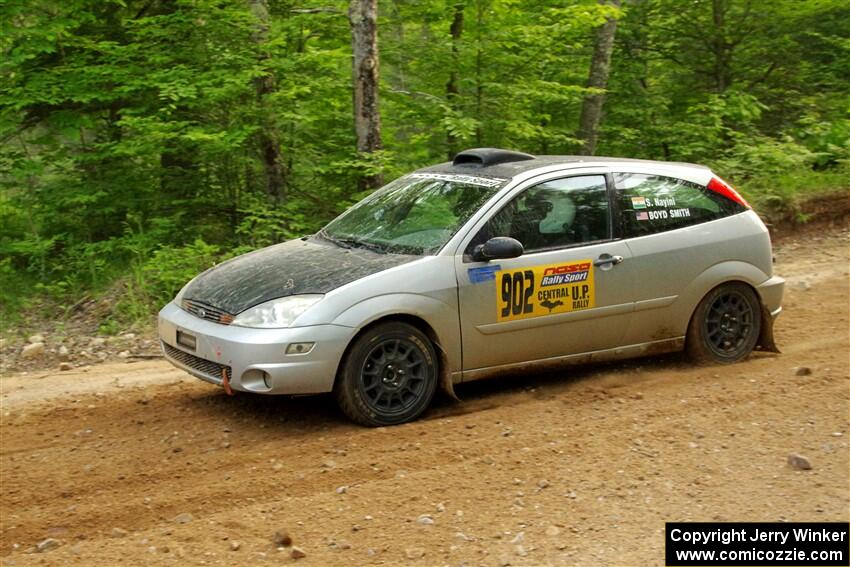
(493, 263)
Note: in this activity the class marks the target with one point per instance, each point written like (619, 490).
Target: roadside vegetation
(142, 141)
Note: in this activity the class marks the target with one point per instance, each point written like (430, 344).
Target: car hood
(290, 268)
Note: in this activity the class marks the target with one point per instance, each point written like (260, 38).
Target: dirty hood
(290, 268)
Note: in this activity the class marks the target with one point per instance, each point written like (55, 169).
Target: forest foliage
(135, 135)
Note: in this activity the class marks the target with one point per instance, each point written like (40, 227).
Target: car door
(571, 292)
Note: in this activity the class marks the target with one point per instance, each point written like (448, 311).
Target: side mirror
(497, 248)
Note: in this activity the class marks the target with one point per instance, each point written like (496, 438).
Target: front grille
(207, 312)
(206, 367)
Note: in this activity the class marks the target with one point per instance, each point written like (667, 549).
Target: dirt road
(140, 464)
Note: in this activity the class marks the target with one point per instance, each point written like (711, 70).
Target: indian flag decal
(639, 202)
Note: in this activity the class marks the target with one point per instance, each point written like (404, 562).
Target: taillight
(722, 188)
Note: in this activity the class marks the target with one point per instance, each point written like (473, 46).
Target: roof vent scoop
(483, 157)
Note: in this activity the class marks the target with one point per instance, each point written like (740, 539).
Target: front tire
(388, 376)
(726, 325)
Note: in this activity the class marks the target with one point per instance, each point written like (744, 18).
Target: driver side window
(554, 214)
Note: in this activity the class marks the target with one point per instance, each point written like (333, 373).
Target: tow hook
(226, 382)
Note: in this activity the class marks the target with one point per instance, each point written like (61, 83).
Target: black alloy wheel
(388, 376)
(726, 324)
(394, 375)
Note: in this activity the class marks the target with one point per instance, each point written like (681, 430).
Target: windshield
(415, 214)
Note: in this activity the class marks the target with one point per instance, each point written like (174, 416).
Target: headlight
(277, 313)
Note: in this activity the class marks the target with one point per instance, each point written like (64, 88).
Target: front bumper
(255, 360)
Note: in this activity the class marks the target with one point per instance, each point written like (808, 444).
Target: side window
(649, 204)
(554, 214)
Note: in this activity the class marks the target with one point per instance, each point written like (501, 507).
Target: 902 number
(517, 291)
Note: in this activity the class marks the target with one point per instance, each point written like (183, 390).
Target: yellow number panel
(538, 291)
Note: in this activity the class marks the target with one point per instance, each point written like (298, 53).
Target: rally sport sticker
(537, 291)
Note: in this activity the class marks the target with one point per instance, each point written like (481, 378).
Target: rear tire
(725, 326)
(388, 376)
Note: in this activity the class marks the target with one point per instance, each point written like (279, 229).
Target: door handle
(605, 259)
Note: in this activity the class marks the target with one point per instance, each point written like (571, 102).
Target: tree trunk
(268, 137)
(721, 48)
(363, 17)
(452, 89)
(600, 65)
(479, 87)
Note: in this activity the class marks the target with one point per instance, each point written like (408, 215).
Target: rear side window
(649, 204)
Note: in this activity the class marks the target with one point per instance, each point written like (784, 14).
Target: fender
(440, 316)
(712, 277)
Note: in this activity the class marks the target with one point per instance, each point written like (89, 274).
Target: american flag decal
(643, 215)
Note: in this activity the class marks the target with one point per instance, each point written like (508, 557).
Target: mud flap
(766, 342)
(447, 386)
(446, 383)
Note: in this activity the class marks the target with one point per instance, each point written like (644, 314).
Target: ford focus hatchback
(494, 263)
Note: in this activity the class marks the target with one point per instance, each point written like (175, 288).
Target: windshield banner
(466, 179)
